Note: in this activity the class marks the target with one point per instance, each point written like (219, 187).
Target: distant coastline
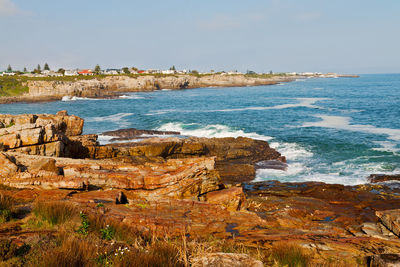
(43, 89)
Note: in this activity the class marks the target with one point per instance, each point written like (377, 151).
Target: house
(71, 73)
(50, 73)
(141, 71)
(85, 72)
(168, 72)
(112, 71)
(8, 73)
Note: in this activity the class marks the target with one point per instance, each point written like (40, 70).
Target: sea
(333, 130)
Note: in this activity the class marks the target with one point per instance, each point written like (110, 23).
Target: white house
(71, 73)
(168, 72)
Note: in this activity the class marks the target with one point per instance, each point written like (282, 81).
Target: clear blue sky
(352, 36)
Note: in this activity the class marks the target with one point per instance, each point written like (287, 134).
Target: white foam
(292, 169)
(303, 102)
(119, 118)
(292, 151)
(131, 97)
(210, 131)
(160, 112)
(343, 123)
(387, 146)
(76, 98)
(166, 89)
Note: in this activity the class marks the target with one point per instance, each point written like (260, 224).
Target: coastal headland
(195, 190)
(55, 88)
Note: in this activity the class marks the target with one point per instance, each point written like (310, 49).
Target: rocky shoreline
(196, 187)
(114, 86)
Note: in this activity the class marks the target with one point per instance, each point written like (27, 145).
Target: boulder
(231, 198)
(377, 178)
(7, 166)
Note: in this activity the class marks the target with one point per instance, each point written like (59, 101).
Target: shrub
(107, 233)
(9, 250)
(54, 212)
(84, 227)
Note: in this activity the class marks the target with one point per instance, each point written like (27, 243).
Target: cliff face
(109, 85)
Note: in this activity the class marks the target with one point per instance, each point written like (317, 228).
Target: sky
(344, 36)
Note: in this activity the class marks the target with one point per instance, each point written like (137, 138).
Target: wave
(343, 123)
(303, 102)
(387, 146)
(119, 119)
(131, 97)
(76, 98)
(210, 131)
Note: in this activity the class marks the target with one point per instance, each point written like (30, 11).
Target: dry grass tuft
(7, 204)
(289, 254)
(54, 212)
(158, 254)
(71, 252)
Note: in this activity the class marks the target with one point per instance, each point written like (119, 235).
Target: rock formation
(188, 187)
(108, 86)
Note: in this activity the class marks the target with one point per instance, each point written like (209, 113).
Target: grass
(12, 86)
(54, 212)
(7, 204)
(290, 255)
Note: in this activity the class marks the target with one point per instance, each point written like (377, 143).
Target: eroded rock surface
(173, 186)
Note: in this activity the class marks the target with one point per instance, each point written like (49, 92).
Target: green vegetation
(12, 86)
(126, 70)
(10, 125)
(97, 69)
(84, 227)
(46, 67)
(107, 233)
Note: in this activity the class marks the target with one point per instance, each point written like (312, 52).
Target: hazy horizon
(280, 35)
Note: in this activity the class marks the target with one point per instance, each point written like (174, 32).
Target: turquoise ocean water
(331, 130)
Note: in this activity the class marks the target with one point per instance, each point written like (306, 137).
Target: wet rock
(377, 178)
(132, 133)
(272, 164)
(225, 260)
(384, 260)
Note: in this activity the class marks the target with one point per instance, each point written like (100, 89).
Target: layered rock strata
(108, 86)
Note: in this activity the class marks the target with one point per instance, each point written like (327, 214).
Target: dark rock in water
(384, 260)
(272, 164)
(377, 178)
(132, 133)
